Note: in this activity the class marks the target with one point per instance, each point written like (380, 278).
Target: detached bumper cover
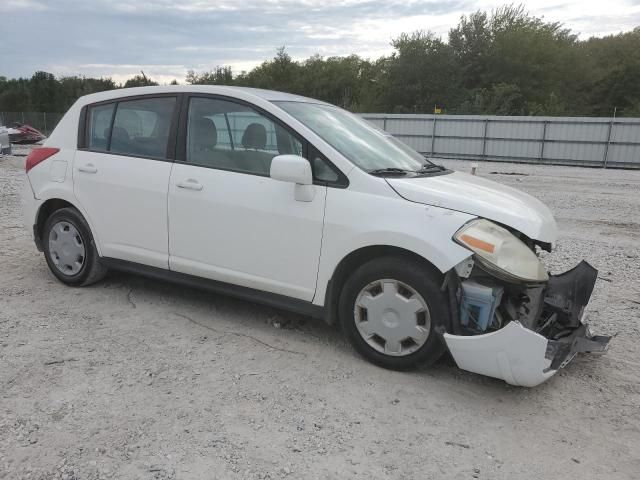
(520, 356)
(513, 353)
(523, 357)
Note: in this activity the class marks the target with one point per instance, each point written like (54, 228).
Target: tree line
(506, 62)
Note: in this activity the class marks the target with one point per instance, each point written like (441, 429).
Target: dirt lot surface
(132, 378)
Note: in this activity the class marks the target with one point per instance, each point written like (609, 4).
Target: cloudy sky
(165, 38)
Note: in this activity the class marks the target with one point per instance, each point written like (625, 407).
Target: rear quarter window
(99, 126)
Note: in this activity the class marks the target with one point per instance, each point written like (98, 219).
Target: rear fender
(64, 194)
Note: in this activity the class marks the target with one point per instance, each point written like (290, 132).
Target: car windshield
(359, 141)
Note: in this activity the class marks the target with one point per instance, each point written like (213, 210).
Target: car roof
(240, 92)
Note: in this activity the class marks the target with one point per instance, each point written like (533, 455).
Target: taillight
(38, 155)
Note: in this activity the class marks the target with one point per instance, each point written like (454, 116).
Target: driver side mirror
(297, 170)
(291, 168)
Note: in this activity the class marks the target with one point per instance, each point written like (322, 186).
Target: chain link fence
(43, 121)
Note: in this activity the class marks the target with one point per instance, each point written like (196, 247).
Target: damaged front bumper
(547, 331)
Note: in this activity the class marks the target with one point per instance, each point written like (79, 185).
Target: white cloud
(165, 38)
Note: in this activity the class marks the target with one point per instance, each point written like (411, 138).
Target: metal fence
(584, 141)
(43, 121)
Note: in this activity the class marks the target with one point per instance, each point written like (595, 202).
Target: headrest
(204, 132)
(255, 136)
(119, 134)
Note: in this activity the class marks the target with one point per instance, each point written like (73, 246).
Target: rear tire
(389, 309)
(70, 250)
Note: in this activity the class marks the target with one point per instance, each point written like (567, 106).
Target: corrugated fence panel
(624, 155)
(554, 140)
(626, 132)
(460, 146)
(409, 126)
(515, 129)
(419, 144)
(518, 149)
(577, 131)
(462, 128)
(378, 122)
(578, 153)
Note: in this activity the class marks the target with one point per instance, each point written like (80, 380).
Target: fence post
(484, 139)
(605, 159)
(384, 123)
(433, 134)
(22, 113)
(544, 137)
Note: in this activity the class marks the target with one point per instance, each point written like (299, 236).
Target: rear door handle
(190, 184)
(88, 168)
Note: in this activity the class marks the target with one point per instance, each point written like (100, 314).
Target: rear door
(121, 176)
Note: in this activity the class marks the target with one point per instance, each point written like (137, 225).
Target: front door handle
(88, 168)
(190, 184)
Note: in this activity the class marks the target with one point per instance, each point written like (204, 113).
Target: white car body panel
(53, 175)
(514, 354)
(245, 229)
(357, 219)
(30, 206)
(484, 198)
(134, 234)
(46, 184)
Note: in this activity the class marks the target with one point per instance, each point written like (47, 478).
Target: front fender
(422, 229)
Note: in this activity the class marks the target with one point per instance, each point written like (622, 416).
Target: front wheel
(389, 308)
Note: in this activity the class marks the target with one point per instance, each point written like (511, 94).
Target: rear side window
(139, 128)
(99, 126)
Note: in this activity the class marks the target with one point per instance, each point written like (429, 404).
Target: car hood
(484, 198)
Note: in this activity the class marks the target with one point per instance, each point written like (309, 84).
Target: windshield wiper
(426, 168)
(390, 171)
(430, 168)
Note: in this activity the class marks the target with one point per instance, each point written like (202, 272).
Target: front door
(121, 178)
(228, 220)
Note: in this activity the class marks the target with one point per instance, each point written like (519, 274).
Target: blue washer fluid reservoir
(478, 304)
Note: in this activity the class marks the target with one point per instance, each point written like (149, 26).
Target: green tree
(218, 76)
(423, 73)
(139, 81)
(44, 92)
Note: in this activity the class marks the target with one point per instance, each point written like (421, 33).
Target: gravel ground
(133, 378)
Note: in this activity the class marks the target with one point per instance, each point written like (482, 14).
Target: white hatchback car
(301, 205)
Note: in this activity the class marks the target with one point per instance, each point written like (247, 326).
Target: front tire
(389, 308)
(70, 250)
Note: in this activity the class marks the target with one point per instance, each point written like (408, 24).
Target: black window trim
(181, 139)
(170, 154)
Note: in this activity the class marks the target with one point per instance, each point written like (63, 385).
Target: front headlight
(501, 251)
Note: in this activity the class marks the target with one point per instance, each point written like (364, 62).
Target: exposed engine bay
(530, 329)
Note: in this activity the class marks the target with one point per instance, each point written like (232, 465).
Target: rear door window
(141, 127)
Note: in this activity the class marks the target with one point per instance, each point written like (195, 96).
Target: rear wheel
(70, 250)
(389, 309)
